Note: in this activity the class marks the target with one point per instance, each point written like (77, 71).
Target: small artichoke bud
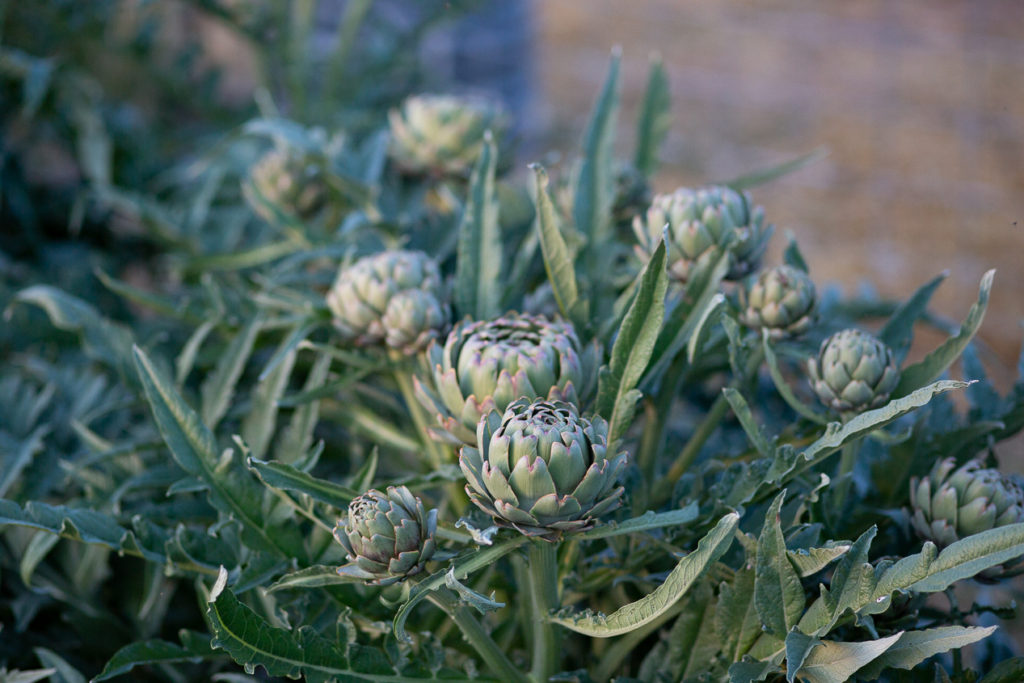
(393, 298)
(700, 224)
(853, 372)
(285, 179)
(387, 536)
(952, 503)
(542, 469)
(781, 301)
(486, 365)
(442, 135)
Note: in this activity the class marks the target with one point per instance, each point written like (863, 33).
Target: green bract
(485, 365)
(853, 372)
(700, 223)
(542, 469)
(394, 297)
(781, 301)
(388, 536)
(285, 179)
(951, 502)
(441, 134)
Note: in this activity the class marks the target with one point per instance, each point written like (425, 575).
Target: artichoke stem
(543, 592)
(478, 637)
(404, 382)
(847, 460)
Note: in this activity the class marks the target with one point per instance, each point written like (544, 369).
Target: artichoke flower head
(853, 372)
(781, 300)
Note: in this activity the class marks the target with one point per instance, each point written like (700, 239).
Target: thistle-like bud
(486, 365)
(853, 372)
(387, 536)
(442, 135)
(542, 469)
(700, 224)
(781, 301)
(393, 298)
(285, 181)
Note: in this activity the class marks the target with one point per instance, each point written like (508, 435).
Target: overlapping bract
(442, 135)
(853, 372)
(700, 223)
(387, 536)
(393, 298)
(486, 365)
(285, 180)
(781, 301)
(954, 502)
(542, 469)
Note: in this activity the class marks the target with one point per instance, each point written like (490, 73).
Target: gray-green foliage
(216, 430)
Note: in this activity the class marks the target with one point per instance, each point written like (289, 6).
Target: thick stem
(543, 594)
(847, 460)
(419, 420)
(717, 412)
(478, 637)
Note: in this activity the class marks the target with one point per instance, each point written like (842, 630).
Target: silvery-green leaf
(836, 662)
(914, 647)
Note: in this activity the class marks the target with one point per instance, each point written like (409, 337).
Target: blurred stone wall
(920, 103)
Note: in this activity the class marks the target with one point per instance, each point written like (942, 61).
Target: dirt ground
(920, 104)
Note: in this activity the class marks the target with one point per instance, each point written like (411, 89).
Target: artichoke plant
(486, 365)
(781, 301)
(542, 469)
(853, 372)
(954, 502)
(387, 536)
(700, 224)
(442, 135)
(285, 180)
(393, 298)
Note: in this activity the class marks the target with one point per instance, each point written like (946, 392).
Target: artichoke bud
(442, 135)
(486, 365)
(285, 180)
(781, 301)
(393, 298)
(543, 469)
(387, 536)
(853, 372)
(700, 224)
(952, 503)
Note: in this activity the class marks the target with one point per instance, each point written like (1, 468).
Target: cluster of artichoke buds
(954, 502)
(486, 365)
(442, 135)
(394, 297)
(285, 180)
(700, 224)
(853, 372)
(542, 469)
(388, 536)
(781, 300)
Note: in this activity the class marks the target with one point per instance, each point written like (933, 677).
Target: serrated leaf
(936, 362)
(316, 576)
(655, 119)
(219, 386)
(282, 476)
(478, 601)
(812, 560)
(778, 594)
(651, 606)
(192, 444)
(557, 264)
(155, 651)
(898, 331)
(19, 456)
(633, 347)
(835, 662)
(477, 292)
(914, 647)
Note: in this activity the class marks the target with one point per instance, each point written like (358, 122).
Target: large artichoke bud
(486, 365)
(388, 536)
(285, 180)
(394, 297)
(442, 134)
(781, 301)
(542, 469)
(951, 503)
(700, 224)
(853, 372)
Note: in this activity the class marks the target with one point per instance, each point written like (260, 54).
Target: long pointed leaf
(478, 267)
